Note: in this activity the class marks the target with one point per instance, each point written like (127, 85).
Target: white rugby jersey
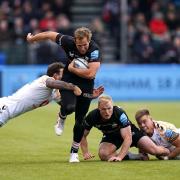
(164, 134)
(30, 96)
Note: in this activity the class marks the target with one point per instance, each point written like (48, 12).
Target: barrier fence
(122, 82)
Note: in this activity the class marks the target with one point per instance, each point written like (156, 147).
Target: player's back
(29, 97)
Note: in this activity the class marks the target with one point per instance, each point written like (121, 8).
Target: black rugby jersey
(92, 55)
(118, 120)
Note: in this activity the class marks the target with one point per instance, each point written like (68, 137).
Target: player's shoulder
(64, 40)
(167, 130)
(94, 112)
(163, 125)
(118, 109)
(42, 79)
(93, 45)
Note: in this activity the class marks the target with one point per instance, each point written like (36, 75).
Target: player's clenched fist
(29, 37)
(77, 91)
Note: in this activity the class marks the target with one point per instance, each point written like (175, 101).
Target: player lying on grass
(162, 133)
(118, 131)
(38, 93)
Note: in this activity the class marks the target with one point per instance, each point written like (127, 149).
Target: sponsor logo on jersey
(124, 119)
(170, 135)
(95, 54)
(71, 54)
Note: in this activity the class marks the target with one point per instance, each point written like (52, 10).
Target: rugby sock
(62, 117)
(75, 147)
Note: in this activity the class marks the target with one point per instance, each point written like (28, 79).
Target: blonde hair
(82, 32)
(104, 98)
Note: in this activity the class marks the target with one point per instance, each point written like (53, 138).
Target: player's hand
(29, 38)
(114, 159)
(88, 156)
(77, 91)
(98, 91)
(71, 66)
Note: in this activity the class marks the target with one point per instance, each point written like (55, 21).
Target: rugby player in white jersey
(36, 94)
(162, 133)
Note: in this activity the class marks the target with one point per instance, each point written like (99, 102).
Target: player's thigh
(145, 144)
(110, 143)
(67, 97)
(136, 135)
(82, 107)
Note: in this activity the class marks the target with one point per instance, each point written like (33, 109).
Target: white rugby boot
(59, 127)
(74, 158)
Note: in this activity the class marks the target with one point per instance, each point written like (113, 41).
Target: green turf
(29, 149)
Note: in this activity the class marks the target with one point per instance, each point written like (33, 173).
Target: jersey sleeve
(95, 56)
(88, 122)
(63, 40)
(122, 118)
(170, 135)
(167, 130)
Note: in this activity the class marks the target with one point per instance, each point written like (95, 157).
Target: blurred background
(130, 33)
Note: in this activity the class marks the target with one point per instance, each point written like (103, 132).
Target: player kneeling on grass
(36, 94)
(118, 131)
(162, 133)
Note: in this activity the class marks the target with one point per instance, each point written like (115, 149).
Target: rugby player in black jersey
(118, 131)
(79, 46)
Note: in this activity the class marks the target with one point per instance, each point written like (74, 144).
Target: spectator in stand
(63, 24)
(48, 22)
(5, 33)
(19, 31)
(28, 14)
(62, 7)
(143, 49)
(157, 26)
(111, 17)
(97, 29)
(140, 23)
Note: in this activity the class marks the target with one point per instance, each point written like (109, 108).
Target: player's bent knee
(70, 109)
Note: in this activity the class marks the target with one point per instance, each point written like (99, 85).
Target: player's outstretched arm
(146, 145)
(56, 84)
(127, 140)
(48, 35)
(84, 146)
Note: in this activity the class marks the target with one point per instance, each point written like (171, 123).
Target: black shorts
(117, 140)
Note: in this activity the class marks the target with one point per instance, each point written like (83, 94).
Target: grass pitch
(29, 149)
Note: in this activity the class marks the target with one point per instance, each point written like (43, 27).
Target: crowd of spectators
(19, 17)
(153, 29)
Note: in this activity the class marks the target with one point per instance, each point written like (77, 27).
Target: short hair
(54, 68)
(105, 98)
(82, 32)
(141, 113)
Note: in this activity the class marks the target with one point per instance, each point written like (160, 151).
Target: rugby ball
(80, 63)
